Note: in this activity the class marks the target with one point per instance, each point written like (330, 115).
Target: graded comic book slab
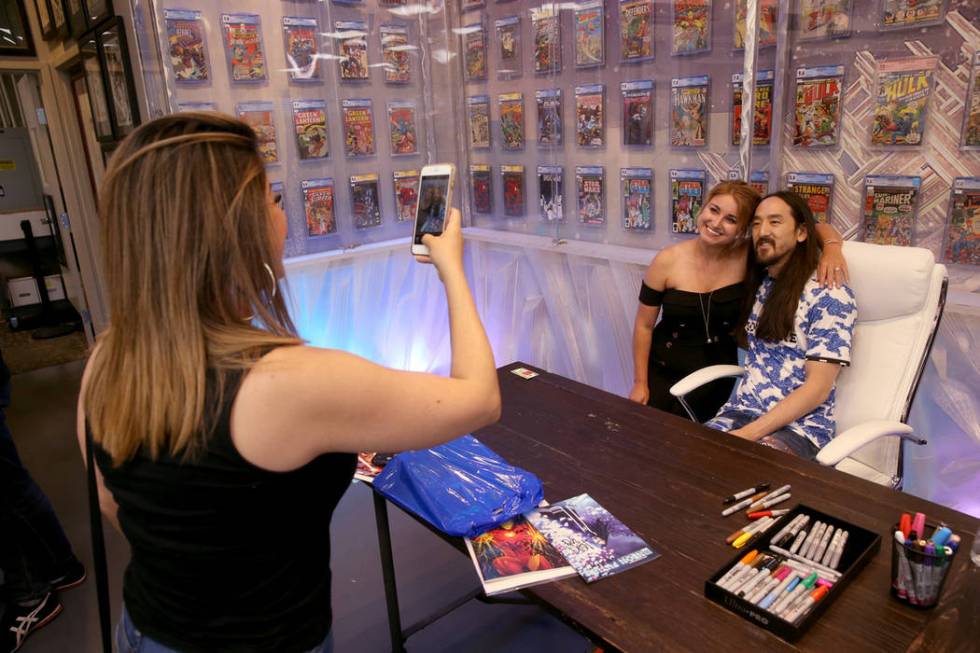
(817, 111)
(637, 184)
(889, 209)
(901, 101)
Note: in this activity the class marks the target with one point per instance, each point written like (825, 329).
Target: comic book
(691, 32)
(549, 117)
(513, 181)
(818, 105)
(971, 109)
(590, 34)
(481, 189)
(197, 106)
(395, 54)
(758, 180)
(961, 242)
(364, 200)
(352, 49)
(406, 185)
(260, 116)
(358, 127)
(547, 38)
(816, 188)
(904, 86)
(687, 189)
(589, 188)
(896, 14)
(512, 120)
(889, 209)
(637, 112)
(310, 124)
(636, 29)
(467, 5)
(474, 52)
(688, 114)
(278, 190)
(509, 46)
(762, 117)
(550, 191)
(824, 19)
(318, 198)
(187, 45)
(768, 11)
(401, 126)
(243, 47)
(590, 120)
(637, 198)
(302, 54)
(478, 118)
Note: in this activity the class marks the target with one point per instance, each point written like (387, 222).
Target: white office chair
(900, 294)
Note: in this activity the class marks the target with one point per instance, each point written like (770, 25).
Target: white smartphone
(434, 201)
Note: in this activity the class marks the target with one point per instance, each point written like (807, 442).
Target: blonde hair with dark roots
(186, 235)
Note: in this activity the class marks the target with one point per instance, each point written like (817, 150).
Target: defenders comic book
(475, 52)
(187, 46)
(817, 189)
(513, 178)
(686, 197)
(762, 116)
(637, 112)
(481, 188)
(318, 200)
(364, 200)
(260, 116)
(401, 127)
(637, 198)
(358, 127)
(889, 209)
(310, 126)
(904, 86)
(395, 54)
(590, 34)
(962, 238)
(824, 19)
(768, 13)
(406, 184)
(636, 29)
(302, 52)
(352, 40)
(688, 116)
(818, 106)
(590, 120)
(478, 119)
(512, 120)
(550, 193)
(896, 14)
(691, 32)
(243, 47)
(549, 117)
(546, 29)
(591, 197)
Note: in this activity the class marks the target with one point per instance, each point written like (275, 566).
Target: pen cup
(918, 577)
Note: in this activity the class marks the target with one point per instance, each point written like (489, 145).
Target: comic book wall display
(401, 127)
(637, 112)
(637, 198)
(474, 51)
(509, 47)
(197, 106)
(549, 117)
(590, 121)
(318, 198)
(352, 48)
(260, 116)
(358, 116)
(310, 125)
(481, 188)
(590, 194)
(961, 242)
(406, 184)
(395, 50)
(512, 120)
(590, 34)
(762, 116)
(971, 110)
(512, 177)
(817, 113)
(904, 86)
(472, 4)
(900, 14)
(824, 19)
(550, 192)
(187, 46)
(546, 29)
(636, 29)
(687, 188)
(759, 180)
(889, 209)
(364, 200)
(767, 17)
(817, 189)
(300, 38)
(478, 121)
(691, 32)
(243, 47)
(688, 112)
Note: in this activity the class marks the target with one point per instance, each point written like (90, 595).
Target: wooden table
(664, 477)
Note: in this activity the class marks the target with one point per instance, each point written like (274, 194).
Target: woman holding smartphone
(223, 443)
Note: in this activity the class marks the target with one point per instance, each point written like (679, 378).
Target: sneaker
(73, 574)
(19, 621)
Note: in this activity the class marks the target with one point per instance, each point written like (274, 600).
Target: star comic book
(900, 14)
(406, 185)
(589, 190)
(686, 197)
(478, 119)
(889, 209)
(481, 188)
(961, 242)
(636, 29)
(816, 188)
(637, 198)
(768, 14)
(549, 117)
(546, 28)
(691, 27)
(762, 117)
(590, 120)
(395, 50)
(688, 116)
(550, 192)
(824, 19)
(817, 111)
(513, 181)
(904, 87)
(310, 125)
(260, 116)
(318, 199)
(187, 46)
(352, 45)
(590, 34)
(364, 200)
(511, 120)
(401, 127)
(637, 112)
(474, 51)
(508, 47)
(243, 47)
(358, 117)
(971, 109)
(300, 35)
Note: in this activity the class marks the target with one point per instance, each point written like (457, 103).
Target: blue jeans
(130, 640)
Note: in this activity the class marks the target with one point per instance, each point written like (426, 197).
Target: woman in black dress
(697, 289)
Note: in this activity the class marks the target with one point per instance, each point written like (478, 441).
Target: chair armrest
(846, 443)
(696, 379)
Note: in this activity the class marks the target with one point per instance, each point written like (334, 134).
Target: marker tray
(861, 546)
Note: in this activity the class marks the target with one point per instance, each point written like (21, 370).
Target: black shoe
(19, 621)
(72, 575)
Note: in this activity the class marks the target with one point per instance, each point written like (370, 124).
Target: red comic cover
(818, 106)
(768, 15)
(514, 201)
(406, 194)
(358, 127)
(318, 201)
(401, 125)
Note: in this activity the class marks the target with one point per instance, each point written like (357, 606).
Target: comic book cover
(406, 184)
(816, 188)
(768, 11)
(243, 47)
(278, 190)
(637, 112)
(818, 105)
(302, 53)
(904, 86)
(395, 54)
(187, 45)
(352, 48)
(762, 117)
(478, 118)
(636, 29)
(889, 209)
(358, 127)
(364, 199)
(589, 188)
(512, 120)
(910, 13)
(758, 180)
(691, 26)
(686, 197)
(260, 116)
(474, 52)
(590, 34)
(318, 200)
(688, 116)
(590, 120)
(549, 117)
(637, 198)
(401, 126)
(962, 238)
(310, 124)
(513, 180)
(481, 188)
(971, 109)
(472, 4)
(550, 191)
(547, 39)
(197, 106)
(824, 19)
(509, 46)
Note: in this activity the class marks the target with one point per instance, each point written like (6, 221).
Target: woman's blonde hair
(187, 238)
(746, 198)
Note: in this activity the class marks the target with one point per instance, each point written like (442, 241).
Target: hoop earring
(272, 275)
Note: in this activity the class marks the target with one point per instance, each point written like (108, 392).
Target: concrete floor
(430, 572)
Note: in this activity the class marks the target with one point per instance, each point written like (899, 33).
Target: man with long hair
(798, 335)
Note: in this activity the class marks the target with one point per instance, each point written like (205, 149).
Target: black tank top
(227, 556)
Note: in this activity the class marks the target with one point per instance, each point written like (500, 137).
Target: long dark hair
(779, 310)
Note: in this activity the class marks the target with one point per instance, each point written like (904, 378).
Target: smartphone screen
(431, 206)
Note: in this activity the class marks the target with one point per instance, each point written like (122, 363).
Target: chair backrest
(900, 293)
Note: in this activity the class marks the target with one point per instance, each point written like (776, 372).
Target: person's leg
(790, 442)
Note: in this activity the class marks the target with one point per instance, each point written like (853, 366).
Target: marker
(800, 589)
(777, 606)
(835, 561)
(738, 566)
(749, 534)
(789, 529)
(749, 528)
(806, 604)
(828, 554)
(771, 597)
(798, 541)
(832, 574)
(767, 513)
(953, 542)
(744, 565)
(764, 573)
(767, 587)
(768, 503)
(745, 493)
(905, 524)
(900, 581)
(821, 547)
(919, 524)
(815, 533)
(941, 535)
(742, 504)
(823, 582)
(775, 493)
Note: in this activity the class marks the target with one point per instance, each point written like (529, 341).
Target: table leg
(388, 571)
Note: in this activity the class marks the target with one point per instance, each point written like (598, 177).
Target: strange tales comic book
(816, 188)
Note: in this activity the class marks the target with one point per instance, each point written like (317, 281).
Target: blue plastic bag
(461, 487)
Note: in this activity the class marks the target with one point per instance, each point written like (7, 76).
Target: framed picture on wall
(59, 19)
(119, 78)
(96, 11)
(76, 18)
(16, 35)
(43, 8)
(95, 84)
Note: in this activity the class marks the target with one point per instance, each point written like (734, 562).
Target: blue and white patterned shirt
(822, 331)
